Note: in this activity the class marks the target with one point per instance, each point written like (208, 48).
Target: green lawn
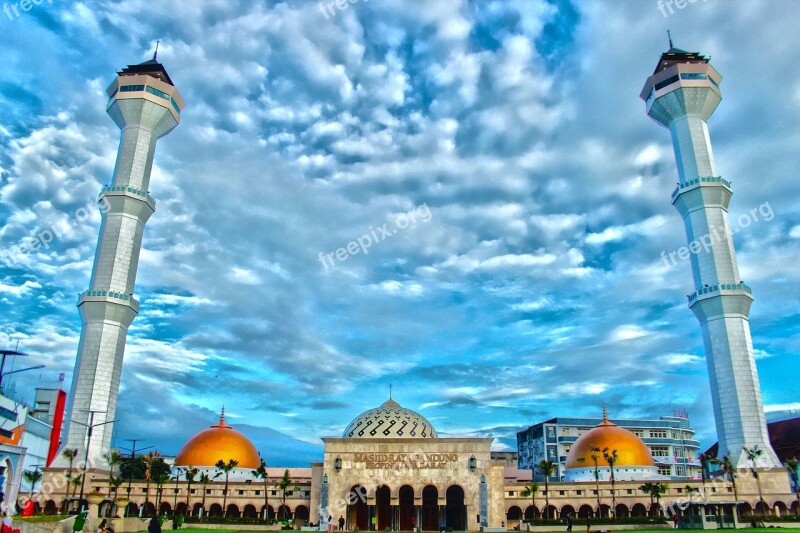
(40, 518)
(559, 530)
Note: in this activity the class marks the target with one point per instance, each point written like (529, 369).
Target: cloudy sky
(527, 284)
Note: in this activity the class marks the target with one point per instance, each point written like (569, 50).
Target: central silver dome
(389, 421)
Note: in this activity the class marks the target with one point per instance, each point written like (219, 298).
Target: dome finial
(605, 414)
(390, 391)
(222, 416)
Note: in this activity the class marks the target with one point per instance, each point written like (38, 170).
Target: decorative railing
(126, 298)
(717, 288)
(132, 190)
(700, 179)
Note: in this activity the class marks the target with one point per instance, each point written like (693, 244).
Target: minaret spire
(108, 307)
(155, 54)
(669, 36)
(681, 95)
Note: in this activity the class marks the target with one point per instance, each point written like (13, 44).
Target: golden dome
(389, 421)
(219, 442)
(631, 450)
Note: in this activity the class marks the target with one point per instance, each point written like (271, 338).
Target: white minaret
(146, 106)
(680, 95)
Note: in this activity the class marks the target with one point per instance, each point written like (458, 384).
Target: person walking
(341, 523)
(588, 524)
(569, 522)
(675, 520)
(154, 526)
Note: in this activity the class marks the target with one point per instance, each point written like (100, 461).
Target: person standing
(588, 524)
(341, 523)
(330, 524)
(569, 522)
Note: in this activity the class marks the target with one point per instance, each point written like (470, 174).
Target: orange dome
(631, 450)
(219, 442)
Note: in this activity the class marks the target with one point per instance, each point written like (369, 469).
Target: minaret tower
(681, 95)
(146, 106)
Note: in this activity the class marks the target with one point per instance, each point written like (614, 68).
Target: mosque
(390, 470)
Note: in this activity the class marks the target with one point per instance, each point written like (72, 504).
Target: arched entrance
(455, 510)
(181, 509)
(585, 511)
(250, 511)
(215, 510)
(621, 511)
(430, 509)
(406, 501)
(357, 510)
(531, 512)
(301, 515)
(513, 517)
(567, 510)
(638, 509)
(383, 507)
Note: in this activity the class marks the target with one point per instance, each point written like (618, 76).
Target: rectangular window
(561, 493)
(665, 470)
(175, 106)
(156, 92)
(208, 491)
(241, 493)
(193, 491)
(712, 80)
(658, 434)
(659, 451)
(579, 493)
(693, 76)
(630, 491)
(668, 81)
(258, 493)
(131, 88)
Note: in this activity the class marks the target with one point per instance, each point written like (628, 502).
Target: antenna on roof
(155, 54)
(669, 35)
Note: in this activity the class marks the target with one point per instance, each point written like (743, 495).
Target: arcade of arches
(390, 470)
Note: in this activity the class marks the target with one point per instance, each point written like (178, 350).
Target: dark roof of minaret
(676, 55)
(150, 67)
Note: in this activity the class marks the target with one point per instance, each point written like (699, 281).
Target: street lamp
(90, 426)
(133, 451)
(13, 353)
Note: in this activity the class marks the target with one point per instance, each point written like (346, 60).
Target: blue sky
(533, 289)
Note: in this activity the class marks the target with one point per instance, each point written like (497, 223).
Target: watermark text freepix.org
(717, 234)
(329, 8)
(376, 235)
(12, 9)
(671, 5)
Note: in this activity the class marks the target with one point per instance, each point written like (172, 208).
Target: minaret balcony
(698, 182)
(719, 289)
(109, 296)
(128, 191)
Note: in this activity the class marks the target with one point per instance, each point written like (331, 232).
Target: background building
(669, 439)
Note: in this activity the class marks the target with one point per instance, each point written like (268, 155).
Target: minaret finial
(155, 58)
(669, 36)
(390, 391)
(605, 414)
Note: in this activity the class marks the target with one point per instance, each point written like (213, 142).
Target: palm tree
(160, 478)
(658, 490)
(753, 454)
(611, 458)
(190, 473)
(225, 468)
(791, 467)
(149, 460)
(116, 482)
(649, 489)
(531, 490)
(283, 485)
(204, 480)
(595, 449)
(32, 477)
(728, 469)
(261, 473)
(70, 454)
(113, 458)
(75, 482)
(546, 468)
